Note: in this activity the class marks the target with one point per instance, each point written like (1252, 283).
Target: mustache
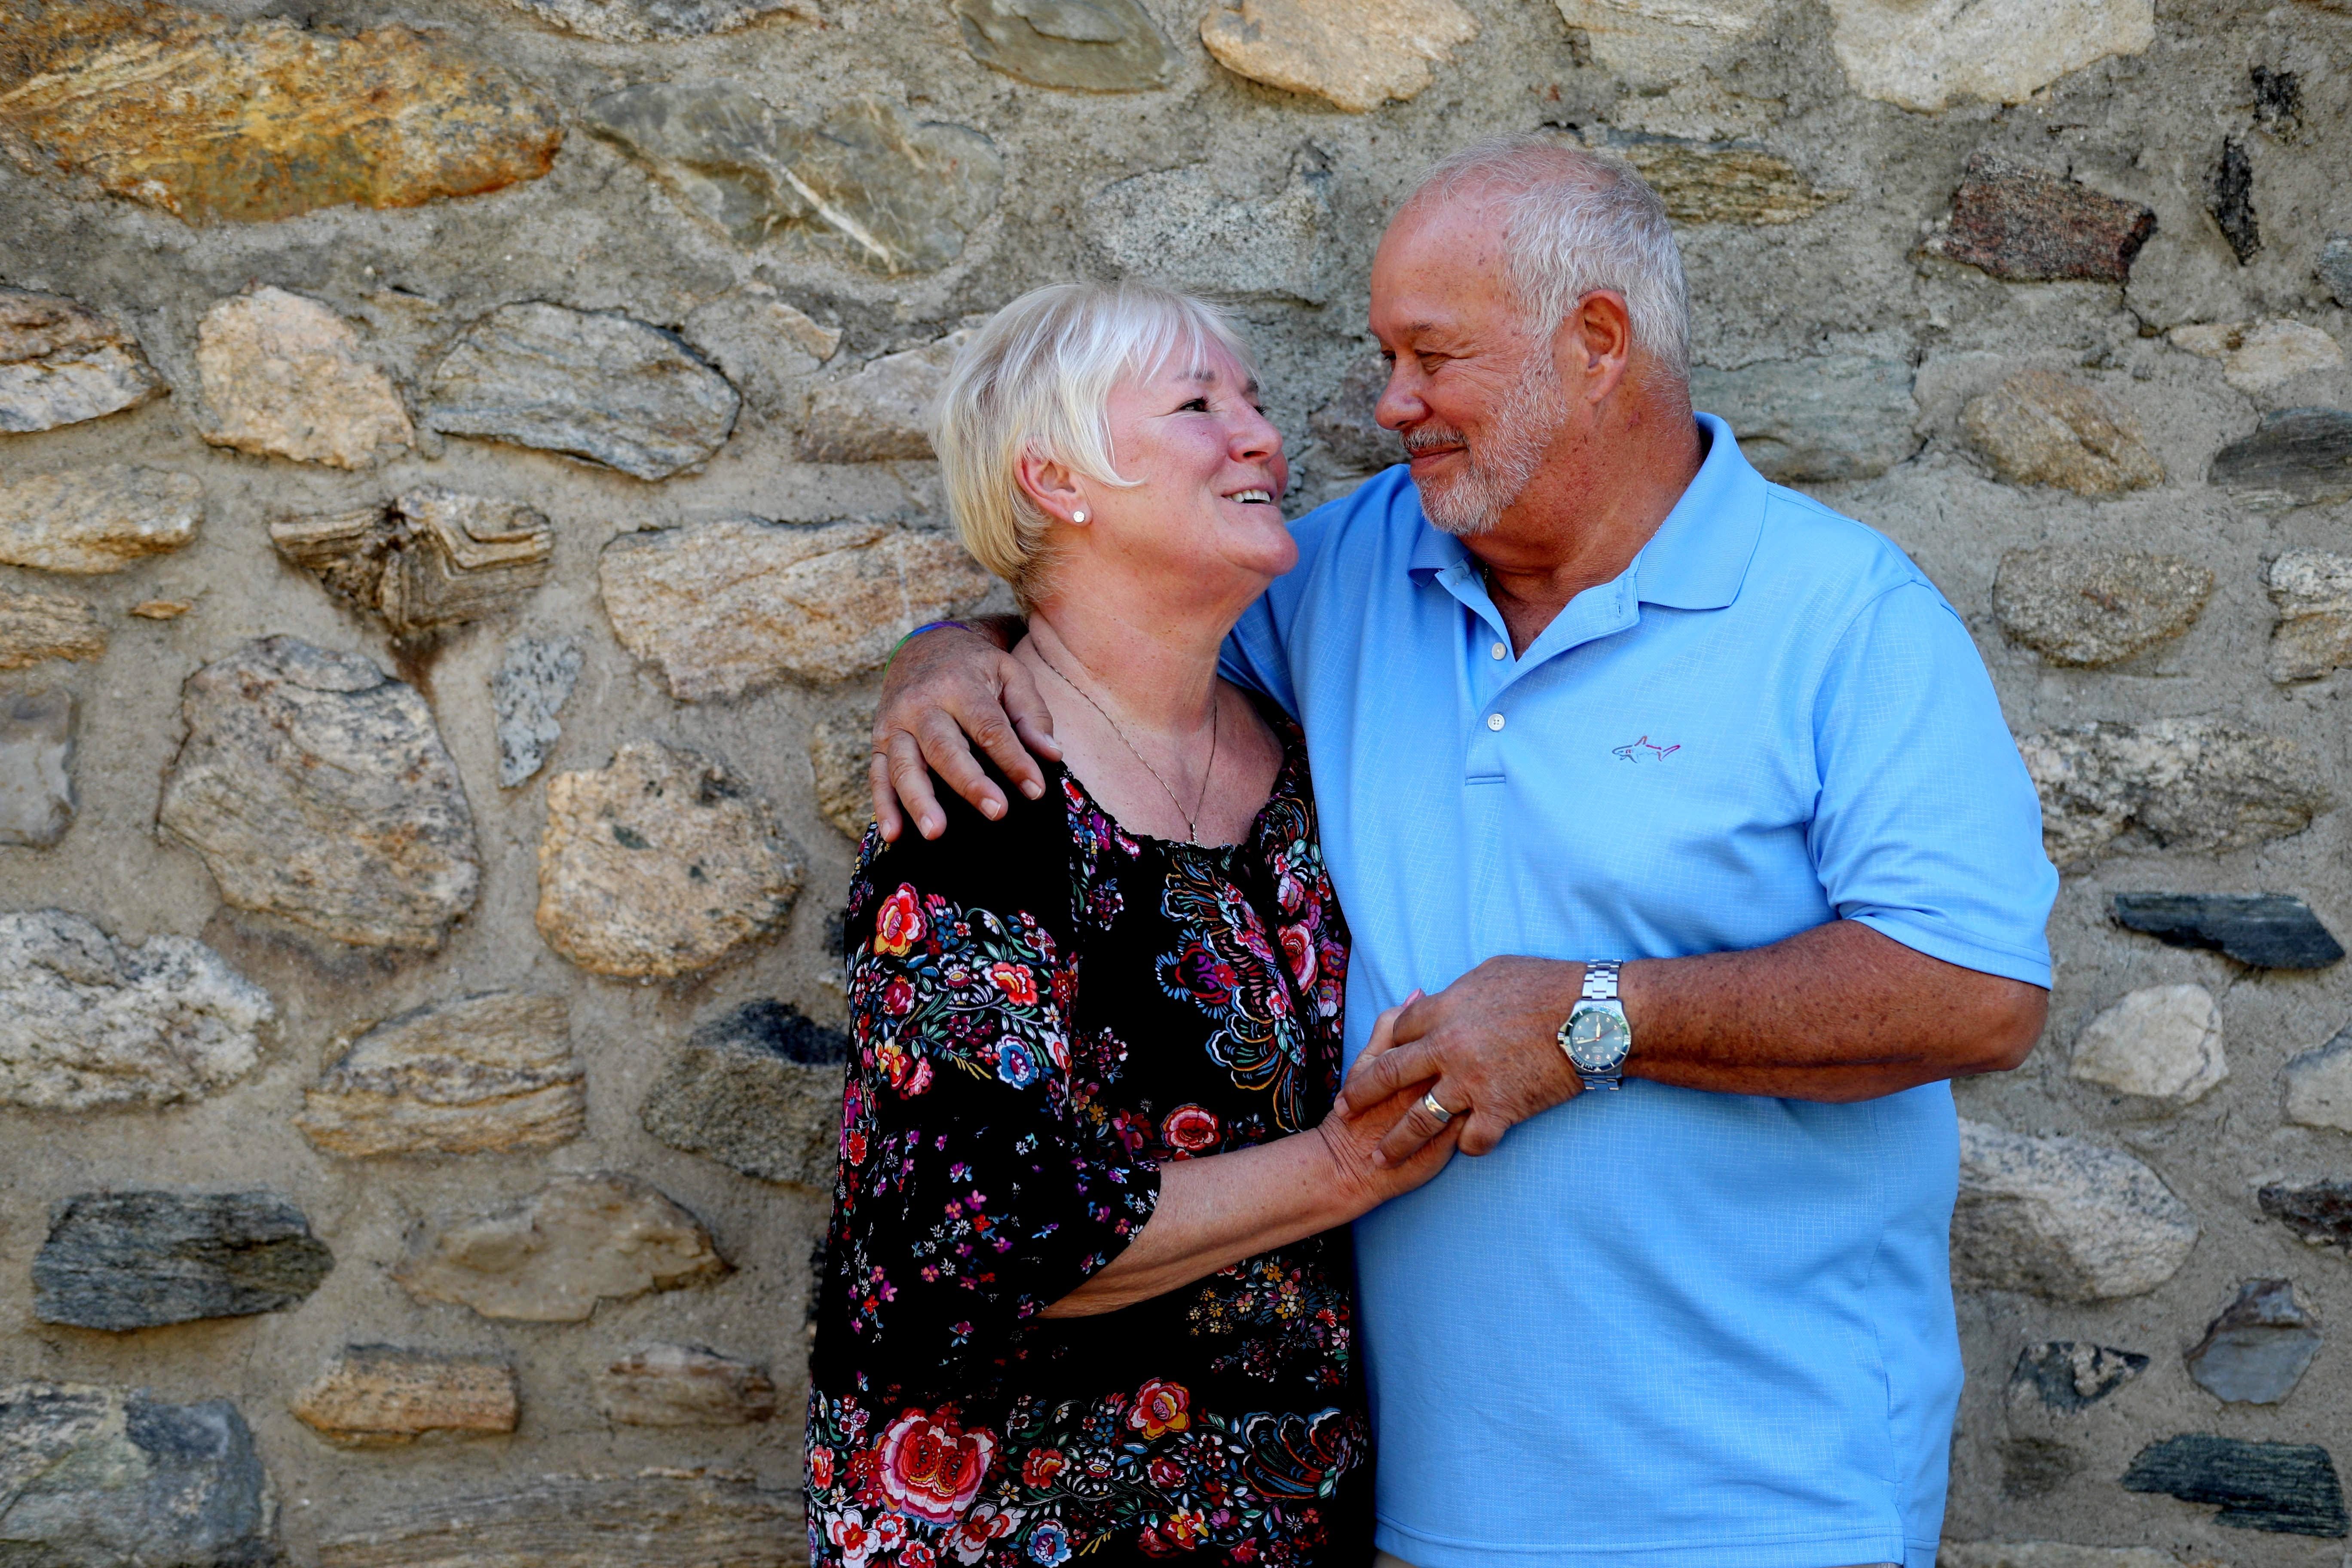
(1421, 438)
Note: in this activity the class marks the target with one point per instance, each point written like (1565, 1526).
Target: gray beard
(1501, 466)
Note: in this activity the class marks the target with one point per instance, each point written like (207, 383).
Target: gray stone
(316, 788)
(640, 21)
(37, 758)
(1655, 48)
(2162, 1042)
(2230, 198)
(284, 377)
(768, 350)
(549, 1259)
(1720, 182)
(37, 628)
(2033, 1468)
(882, 411)
(2289, 1488)
(2313, 591)
(596, 385)
(2064, 1217)
(138, 1259)
(1188, 227)
(2040, 427)
(87, 1021)
(684, 1385)
(1357, 54)
(99, 519)
(2048, 1554)
(2068, 1376)
(2029, 225)
(2299, 457)
(839, 750)
(2268, 930)
(377, 1395)
(2319, 1212)
(1102, 45)
(1839, 416)
(430, 558)
(2335, 267)
(1346, 428)
(62, 363)
(1928, 58)
(680, 1518)
(2256, 1351)
(757, 1089)
(2318, 1086)
(2078, 604)
(105, 1478)
(492, 1072)
(2189, 785)
(872, 185)
(530, 688)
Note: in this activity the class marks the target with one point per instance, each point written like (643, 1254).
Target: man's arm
(1836, 1012)
(941, 687)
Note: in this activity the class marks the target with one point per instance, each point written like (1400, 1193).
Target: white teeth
(1252, 495)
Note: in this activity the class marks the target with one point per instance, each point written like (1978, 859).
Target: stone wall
(463, 469)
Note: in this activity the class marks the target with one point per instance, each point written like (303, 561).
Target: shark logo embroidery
(1643, 751)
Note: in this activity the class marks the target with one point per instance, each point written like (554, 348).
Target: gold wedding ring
(1429, 1103)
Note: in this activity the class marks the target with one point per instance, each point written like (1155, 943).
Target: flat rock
(1836, 417)
(2289, 1488)
(1102, 45)
(62, 363)
(137, 1259)
(37, 765)
(38, 628)
(684, 1385)
(596, 385)
(678, 1519)
(2335, 267)
(489, 1073)
(2048, 1554)
(1707, 182)
(378, 1394)
(2319, 1086)
(2257, 1350)
(530, 688)
(2191, 785)
(642, 21)
(107, 1478)
(1930, 57)
(427, 558)
(2268, 930)
(839, 750)
(2300, 457)
(2259, 355)
(1653, 45)
(871, 185)
(881, 411)
(551, 1257)
(1346, 428)
(2319, 1212)
(770, 351)
(87, 1021)
(211, 119)
(2029, 225)
(2069, 1376)
(662, 864)
(1185, 227)
(2064, 1217)
(316, 788)
(284, 377)
(2079, 605)
(725, 607)
(758, 1089)
(1357, 54)
(2313, 591)
(2042, 427)
(2162, 1042)
(2230, 198)
(100, 518)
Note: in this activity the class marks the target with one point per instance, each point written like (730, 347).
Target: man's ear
(1594, 346)
(1055, 490)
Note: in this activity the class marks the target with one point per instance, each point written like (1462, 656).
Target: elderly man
(1655, 776)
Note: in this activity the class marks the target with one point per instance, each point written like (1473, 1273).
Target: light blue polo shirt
(1659, 1327)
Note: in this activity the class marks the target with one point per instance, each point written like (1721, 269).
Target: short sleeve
(1927, 827)
(973, 1192)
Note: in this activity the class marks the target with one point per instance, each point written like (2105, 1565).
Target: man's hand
(1490, 1040)
(944, 685)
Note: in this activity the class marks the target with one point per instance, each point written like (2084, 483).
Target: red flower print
(1188, 1129)
(917, 1555)
(1298, 948)
(1019, 985)
(1161, 1406)
(1164, 1472)
(889, 1531)
(983, 1524)
(899, 924)
(1288, 894)
(847, 1530)
(1042, 1466)
(821, 1467)
(1187, 1528)
(897, 998)
(932, 1469)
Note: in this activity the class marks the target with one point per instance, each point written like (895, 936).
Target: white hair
(1577, 219)
(1036, 380)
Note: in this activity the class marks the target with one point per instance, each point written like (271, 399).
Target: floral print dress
(1045, 1011)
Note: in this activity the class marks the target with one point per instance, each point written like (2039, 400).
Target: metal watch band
(1600, 985)
(1600, 980)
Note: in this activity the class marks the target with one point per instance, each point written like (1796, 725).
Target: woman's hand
(1354, 1135)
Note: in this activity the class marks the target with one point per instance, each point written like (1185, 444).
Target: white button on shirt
(1499, 650)
(1494, 721)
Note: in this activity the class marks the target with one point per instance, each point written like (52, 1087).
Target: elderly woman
(1088, 1287)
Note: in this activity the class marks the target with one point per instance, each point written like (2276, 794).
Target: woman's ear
(1058, 491)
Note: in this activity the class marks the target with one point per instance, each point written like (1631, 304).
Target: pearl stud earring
(1078, 517)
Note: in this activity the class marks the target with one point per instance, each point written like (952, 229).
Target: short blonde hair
(1037, 379)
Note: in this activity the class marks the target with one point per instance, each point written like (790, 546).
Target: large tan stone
(684, 1385)
(2313, 591)
(2078, 604)
(2064, 1217)
(722, 608)
(35, 627)
(2183, 784)
(662, 864)
(1701, 183)
(1358, 54)
(100, 518)
(1651, 45)
(637, 21)
(208, 119)
(430, 558)
(2161, 1042)
(673, 1517)
(881, 412)
(62, 363)
(378, 1395)
(317, 789)
(283, 377)
(2259, 355)
(482, 1074)
(2043, 428)
(577, 1241)
(1929, 56)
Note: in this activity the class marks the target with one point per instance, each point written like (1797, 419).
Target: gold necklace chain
(1192, 823)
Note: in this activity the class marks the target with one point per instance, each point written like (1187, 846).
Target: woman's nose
(1256, 438)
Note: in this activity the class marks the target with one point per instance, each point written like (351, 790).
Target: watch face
(1598, 1037)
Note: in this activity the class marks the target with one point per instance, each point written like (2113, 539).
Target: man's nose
(1399, 402)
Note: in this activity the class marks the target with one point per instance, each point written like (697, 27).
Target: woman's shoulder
(1020, 860)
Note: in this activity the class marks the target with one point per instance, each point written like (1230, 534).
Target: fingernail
(1379, 1161)
(992, 810)
(1033, 788)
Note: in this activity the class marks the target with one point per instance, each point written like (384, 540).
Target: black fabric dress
(1046, 1010)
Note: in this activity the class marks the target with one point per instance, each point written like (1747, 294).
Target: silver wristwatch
(1596, 1037)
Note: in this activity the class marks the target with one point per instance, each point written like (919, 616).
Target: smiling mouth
(1253, 498)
